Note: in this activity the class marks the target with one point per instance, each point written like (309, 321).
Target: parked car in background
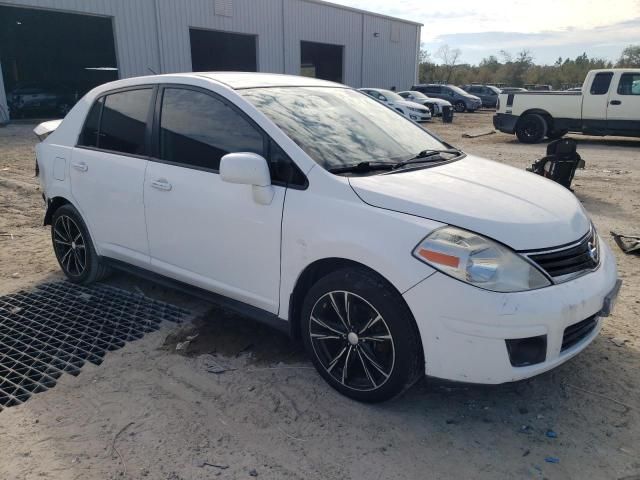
(461, 100)
(512, 89)
(487, 93)
(574, 89)
(412, 110)
(40, 99)
(311, 207)
(539, 87)
(607, 104)
(434, 104)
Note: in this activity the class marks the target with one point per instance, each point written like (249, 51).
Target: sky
(548, 28)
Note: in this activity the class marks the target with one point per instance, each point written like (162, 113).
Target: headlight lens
(479, 261)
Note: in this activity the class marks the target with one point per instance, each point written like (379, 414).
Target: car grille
(565, 263)
(573, 334)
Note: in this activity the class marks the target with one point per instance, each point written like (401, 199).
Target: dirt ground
(150, 412)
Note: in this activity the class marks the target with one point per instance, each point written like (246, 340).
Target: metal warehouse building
(77, 44)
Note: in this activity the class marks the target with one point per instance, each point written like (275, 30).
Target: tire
(371, 354)
(531, 128)
(556, 134)
(460, 106)
(74, 248)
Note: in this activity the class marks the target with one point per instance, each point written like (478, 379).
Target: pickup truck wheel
(361, 336)
(460, 106)
(531, 128)
(556, 134)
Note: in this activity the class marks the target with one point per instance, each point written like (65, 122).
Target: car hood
(515, 207)
(437, 101)
(407, 103)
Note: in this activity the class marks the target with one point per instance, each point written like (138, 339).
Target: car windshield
(458, 90)
(418, 95)
(390, 95)
(338, 126)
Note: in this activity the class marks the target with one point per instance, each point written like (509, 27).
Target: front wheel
(73, 247)
(460, 106)
(360, 335)
(531, 128)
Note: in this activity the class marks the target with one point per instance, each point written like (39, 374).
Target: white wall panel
(154, 34)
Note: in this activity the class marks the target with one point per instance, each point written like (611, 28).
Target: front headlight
(479, 261)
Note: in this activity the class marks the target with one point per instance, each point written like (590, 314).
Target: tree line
(505, 69)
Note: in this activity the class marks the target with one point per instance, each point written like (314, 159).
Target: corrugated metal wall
(154, 34)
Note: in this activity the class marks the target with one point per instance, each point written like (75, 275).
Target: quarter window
(629, 84)
(601, 83)
(197, 129)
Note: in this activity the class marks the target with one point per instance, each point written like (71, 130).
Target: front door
(204, 231)
(623, 112)
(594, 101)
(107, 174)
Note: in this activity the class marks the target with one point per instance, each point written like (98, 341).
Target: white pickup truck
(609, 104)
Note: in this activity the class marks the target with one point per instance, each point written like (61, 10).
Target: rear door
(623, 113)
(595, 101)
(203, 231)
(107, 173)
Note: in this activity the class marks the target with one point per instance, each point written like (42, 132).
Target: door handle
(81, 166)
(161, 184)
(615, 102)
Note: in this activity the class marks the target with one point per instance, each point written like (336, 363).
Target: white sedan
(319, 211)
(434, 104)
(411, 110)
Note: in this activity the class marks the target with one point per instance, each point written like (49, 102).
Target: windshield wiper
(362, 167)
(427, 156)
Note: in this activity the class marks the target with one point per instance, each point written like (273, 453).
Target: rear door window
(601, 83)
(124, 121)
(89, 135)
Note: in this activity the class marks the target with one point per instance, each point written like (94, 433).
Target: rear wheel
(460, 106)
(361, 336)
(74, 248)
(531, 128)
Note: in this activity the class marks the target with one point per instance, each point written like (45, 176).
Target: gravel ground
(148, 412)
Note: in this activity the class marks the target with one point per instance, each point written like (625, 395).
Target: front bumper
(464, 328)
(505, 122)
(419, 116)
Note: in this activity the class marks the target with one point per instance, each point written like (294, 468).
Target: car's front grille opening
(527, 351)
(575, 333)
(580, 257)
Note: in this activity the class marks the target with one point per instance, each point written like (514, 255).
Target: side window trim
(156, 116)
(148, 127)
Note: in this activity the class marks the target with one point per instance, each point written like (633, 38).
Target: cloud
(586, 25)
(546, 45)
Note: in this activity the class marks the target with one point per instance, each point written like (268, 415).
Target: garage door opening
(321, 60)
(223, 51)
(51, 59)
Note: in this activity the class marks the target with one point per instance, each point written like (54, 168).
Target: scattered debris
(210, 364)
(595, 394)
(618, 342)
(478, 133)
(526, 453)
(207, 464)
(183, 345)
(525, 429)
(627, 243)
(551, 434)
(15, 275)
(253, 472)
(552, 460)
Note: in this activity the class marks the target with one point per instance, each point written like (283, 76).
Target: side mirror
(246, 168)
